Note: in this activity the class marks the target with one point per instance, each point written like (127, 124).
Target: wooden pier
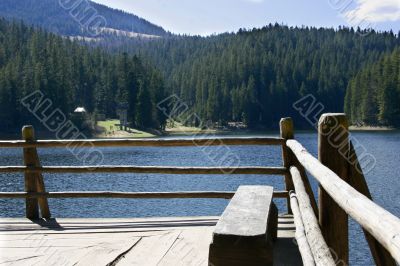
(249, 232)
(146, 241)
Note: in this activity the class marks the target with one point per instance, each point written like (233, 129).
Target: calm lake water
(383, 181)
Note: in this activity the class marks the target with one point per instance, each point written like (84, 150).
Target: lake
(383, 181)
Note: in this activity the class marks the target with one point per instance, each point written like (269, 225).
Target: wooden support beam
(357, 180)
(319, 248)
(34, 161)
(287, 132)
(333, 147)
(31, 205)
(289, 159)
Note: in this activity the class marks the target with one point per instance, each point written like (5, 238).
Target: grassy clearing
(108, 129)
(177, 128)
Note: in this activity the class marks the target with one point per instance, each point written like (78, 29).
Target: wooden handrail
(301, 238)
(129, 195)
(142, 142)
(383, 225)
(320, 250)
(148, 169)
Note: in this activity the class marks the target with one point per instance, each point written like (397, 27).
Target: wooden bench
(245, 233)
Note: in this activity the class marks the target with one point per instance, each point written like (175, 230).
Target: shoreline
(371, 128)
(174, 132)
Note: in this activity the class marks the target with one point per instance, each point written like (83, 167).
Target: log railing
(343, 192)
(36, 195)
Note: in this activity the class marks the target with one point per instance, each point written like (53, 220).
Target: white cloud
(373, 11)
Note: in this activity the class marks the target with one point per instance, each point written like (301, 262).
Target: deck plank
(191, 248)
(150, 250)
(143, 241)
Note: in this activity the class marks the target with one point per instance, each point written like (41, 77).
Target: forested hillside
(72, 75)
(54, 16)
(373, 95)
(255, 76)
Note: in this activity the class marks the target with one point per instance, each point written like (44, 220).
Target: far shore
(371, 128)
(104, 131)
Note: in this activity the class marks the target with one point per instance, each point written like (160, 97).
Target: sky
(205, 17)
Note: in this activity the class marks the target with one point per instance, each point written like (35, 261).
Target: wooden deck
(145, 241)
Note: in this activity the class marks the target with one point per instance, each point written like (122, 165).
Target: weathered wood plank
(37, 243)
(381, 224)
(191, 248)
(246, 229)
(150, 250)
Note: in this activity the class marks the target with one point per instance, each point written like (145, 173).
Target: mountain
(76, 17)
(255, 76)
(69, 75)
(373, 95)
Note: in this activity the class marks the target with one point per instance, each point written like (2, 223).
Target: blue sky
(205, 17)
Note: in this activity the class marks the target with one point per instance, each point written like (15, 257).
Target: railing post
(333, 147)
(33, 181)
(287, 132)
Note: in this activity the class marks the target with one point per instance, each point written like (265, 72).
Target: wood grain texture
(34, 161)
(118, 241)
(333, 147)
(31, 204)
(150, 250)
(319, 248)
(381, 224)
(287, 132)
(301, 239)
(246, 230)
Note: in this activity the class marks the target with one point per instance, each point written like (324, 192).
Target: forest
(69, 17)
(252, 77)
(255, 76)
(373, 95)
(73, 75)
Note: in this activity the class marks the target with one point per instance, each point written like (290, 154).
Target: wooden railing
(36, 195)
(321, 230)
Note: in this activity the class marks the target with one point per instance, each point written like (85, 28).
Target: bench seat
(245, 233)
